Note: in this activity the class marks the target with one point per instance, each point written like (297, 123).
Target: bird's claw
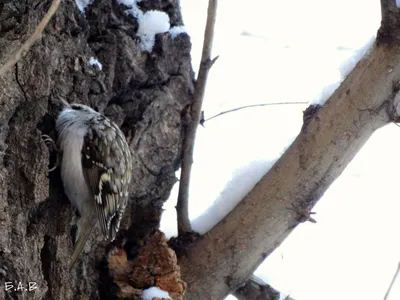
(51, 145)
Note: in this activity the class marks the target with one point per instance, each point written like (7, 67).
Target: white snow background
(290, 51)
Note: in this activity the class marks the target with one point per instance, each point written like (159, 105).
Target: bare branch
(250, 106)
(194, 119)
(392, 282)
(325, 145)
(23, 50)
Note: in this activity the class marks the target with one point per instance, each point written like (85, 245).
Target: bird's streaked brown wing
(108, 180)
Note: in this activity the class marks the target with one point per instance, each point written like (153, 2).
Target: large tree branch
(182, 207)
(227, 255)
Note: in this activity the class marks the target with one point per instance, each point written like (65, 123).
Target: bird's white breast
(70, 138)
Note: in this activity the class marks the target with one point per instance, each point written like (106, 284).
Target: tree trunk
(144, 93)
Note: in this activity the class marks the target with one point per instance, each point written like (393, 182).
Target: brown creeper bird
(96, 167)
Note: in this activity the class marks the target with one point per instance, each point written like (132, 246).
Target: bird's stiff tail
(84, 231)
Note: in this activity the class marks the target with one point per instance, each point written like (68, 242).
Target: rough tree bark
(330, 137)
(146, 94)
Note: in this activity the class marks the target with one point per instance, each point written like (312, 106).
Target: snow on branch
(177, 30)
(95, 62)
(151, 22)
(23, 50)
(182, 206)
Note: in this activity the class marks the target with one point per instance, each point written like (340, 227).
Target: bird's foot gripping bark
(51, 145)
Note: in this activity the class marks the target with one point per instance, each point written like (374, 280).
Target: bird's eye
(76, 107)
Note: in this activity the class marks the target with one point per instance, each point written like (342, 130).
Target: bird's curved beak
(64, 103)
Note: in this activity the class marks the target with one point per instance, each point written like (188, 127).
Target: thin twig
(23, 50)
(392, 283)
(250, 106)
(182, 206)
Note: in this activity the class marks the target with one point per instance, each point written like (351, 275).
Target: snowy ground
(290, 51)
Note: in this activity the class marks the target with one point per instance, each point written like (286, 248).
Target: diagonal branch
(182, 206)
(37, 34)
(228, 254)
